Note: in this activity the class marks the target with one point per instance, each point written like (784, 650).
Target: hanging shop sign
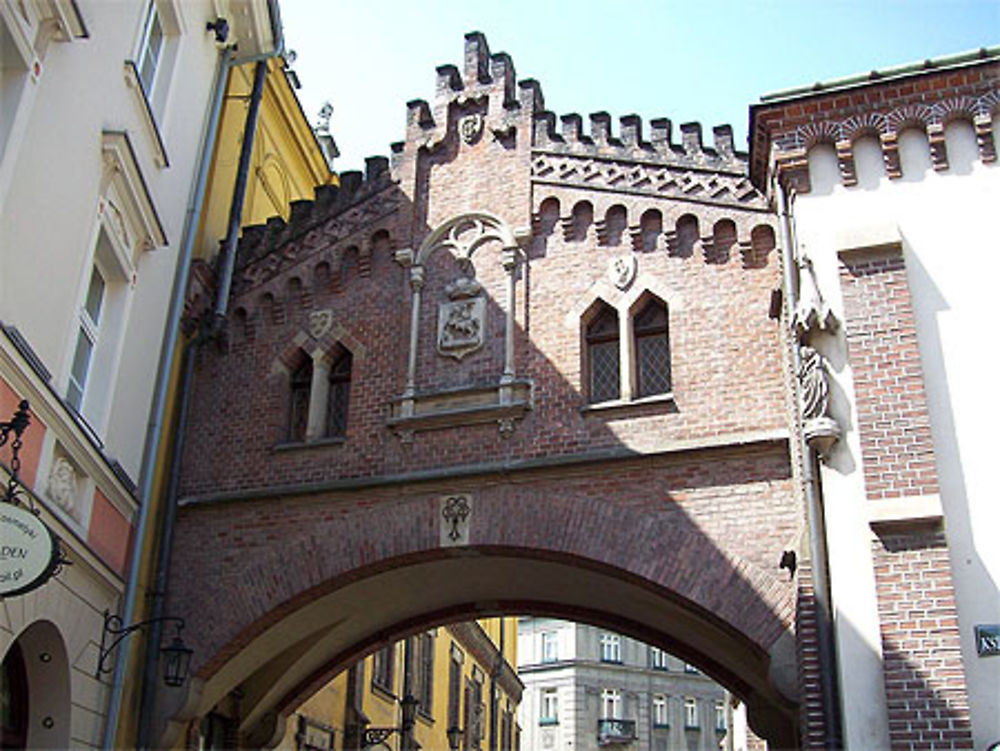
(988, 640)
(29, 552)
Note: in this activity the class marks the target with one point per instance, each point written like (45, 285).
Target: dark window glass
(384, 668)
(652, 348)
(340, 393)
(298, 412)
(602, 356)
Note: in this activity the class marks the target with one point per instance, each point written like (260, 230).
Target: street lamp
(374, 736)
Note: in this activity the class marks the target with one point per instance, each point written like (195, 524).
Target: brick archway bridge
(514, 371)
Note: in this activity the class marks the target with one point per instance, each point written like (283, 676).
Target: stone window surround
(628, 305)
(324, 351)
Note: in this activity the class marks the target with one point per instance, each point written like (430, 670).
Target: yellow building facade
(462, 677)
(288, 161)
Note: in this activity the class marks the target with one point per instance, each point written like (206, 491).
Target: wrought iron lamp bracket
(113, 626)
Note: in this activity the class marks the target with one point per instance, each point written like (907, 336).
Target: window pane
(81, 363)
(298, 408)
(152, 46)
(604, 372)
(95, 296)
(654, 364)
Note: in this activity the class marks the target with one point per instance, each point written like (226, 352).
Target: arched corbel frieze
(461, 328)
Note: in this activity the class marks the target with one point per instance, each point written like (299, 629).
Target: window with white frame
(97, 340)
(549, 710)
(611, 647)
(550, 646)
(720, 716)
(657, 658)
(148, 59)
(690, 712)
(611, 704)
(660, 711)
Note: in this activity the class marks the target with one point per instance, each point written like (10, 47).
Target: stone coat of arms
(462, 319)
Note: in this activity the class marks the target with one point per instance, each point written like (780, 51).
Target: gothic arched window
(603, 355)
(339, 396)
(298, 401)
(650, 329)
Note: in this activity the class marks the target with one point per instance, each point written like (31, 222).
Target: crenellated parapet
(485, 97)
(687, 170)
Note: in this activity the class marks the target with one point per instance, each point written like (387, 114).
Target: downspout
(154, 429)
(226, 266)
(494, 692)
(814, 509)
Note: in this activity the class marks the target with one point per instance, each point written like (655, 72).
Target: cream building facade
(107, 115)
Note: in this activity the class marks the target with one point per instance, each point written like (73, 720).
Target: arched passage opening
(36, 698)
(279, 661)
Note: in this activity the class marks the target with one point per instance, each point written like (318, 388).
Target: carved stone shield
(461, 326)
(320, 322)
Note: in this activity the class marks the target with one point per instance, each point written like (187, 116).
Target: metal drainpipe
(227, 257)
(227, 265)
(494, 693)
(814, 512)
(154, 430)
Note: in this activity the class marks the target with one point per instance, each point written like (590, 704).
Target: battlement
(259, 240)
(630, 143)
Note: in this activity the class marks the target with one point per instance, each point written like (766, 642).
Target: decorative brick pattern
(924, 677)
(928, 100)
(895, 429)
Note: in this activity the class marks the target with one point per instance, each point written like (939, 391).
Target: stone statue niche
(463, 302)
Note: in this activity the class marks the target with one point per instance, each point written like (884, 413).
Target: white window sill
(619, 404)
(148, 118)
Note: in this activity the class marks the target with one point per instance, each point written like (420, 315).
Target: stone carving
(62, 486)
(811, 312)
(622, 270)
(455, 511)
(726, 188)
(821, 430)
(320, 322)
(462, 320)
(470, 127)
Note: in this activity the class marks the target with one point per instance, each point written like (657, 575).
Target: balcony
(615, 731)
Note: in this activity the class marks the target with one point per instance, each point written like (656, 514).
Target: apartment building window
(720, 716)
(611, 704)
(384, 668)
(549, 710)
(150, 48)
(550, 646)
(424, 682)
(455, 686)
(660, 711)
(690, 713)
(658, 659)
(86, 340)
(611, 647)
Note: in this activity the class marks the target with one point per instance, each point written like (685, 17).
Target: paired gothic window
(648, 368)
(318, 398)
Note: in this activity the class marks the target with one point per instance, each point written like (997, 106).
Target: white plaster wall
(949, 225)
(49, 214)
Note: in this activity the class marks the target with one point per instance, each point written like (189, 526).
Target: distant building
(462, 676)
(587, 688)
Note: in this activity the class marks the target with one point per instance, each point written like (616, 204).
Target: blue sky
(701, 60)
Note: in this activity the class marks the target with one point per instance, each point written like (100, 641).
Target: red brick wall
(895, 430)
(924, 677)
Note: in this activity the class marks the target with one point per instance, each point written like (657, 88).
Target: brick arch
(542, 543)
